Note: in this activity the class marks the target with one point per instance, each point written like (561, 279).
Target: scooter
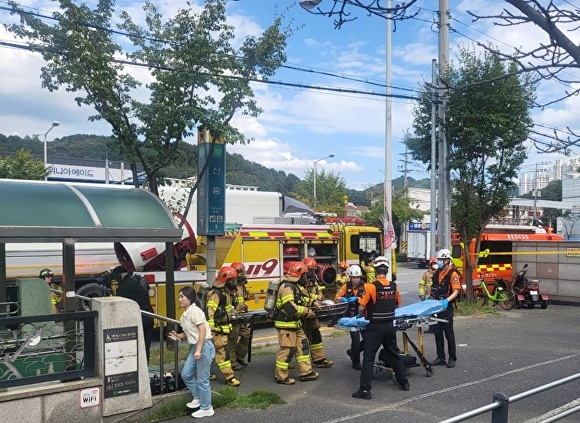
(528, 291)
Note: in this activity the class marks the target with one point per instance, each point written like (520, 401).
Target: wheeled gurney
(418, 315)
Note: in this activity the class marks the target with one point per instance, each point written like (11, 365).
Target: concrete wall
(555, 265)
(58, 402)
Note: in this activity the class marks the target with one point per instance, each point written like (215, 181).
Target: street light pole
(314, 178)
(54, 124)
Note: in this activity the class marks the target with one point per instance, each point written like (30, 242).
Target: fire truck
(495, 256)
(264, 249)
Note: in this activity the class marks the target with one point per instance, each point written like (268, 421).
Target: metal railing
(43, 348)
(500, 406)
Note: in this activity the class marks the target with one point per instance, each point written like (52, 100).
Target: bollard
(500, 415)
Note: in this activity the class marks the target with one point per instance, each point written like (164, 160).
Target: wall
(555, 265)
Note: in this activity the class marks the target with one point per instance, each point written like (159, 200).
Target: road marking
(553, 413)
(445, 390)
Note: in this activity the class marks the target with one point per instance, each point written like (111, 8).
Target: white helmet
(354, 270)
(443, 254)
(381, 261)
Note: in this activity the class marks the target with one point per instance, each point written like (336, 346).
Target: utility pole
(444, 208)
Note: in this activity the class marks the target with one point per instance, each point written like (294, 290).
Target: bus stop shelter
(66, 213)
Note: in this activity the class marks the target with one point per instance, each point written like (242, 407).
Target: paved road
(513, 353)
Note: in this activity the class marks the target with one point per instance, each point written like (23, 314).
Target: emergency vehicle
(495, 256)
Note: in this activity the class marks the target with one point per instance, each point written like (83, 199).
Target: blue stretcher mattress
(425, 308)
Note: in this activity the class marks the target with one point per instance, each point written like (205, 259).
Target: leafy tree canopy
(487, 122)
(24, 166)
(198, 77)
(330, 191)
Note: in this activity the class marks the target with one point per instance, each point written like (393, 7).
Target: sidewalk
(513, 353)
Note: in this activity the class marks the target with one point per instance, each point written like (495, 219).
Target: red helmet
(296, 269)
(343, 265)
(432, 260)
(238, 266)
(225, 274)
(287, 266)
(310, 263)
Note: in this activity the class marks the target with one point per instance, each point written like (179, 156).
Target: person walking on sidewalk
(196, 370)
(379, 301)
(290, 307)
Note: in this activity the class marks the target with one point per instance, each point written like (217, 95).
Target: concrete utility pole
(444, 208)
(433, 226)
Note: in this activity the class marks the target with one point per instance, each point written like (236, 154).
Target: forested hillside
(239, 170)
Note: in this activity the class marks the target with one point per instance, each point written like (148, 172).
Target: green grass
(465, 309)
(168, 355)
(338, 334)
(226, 396)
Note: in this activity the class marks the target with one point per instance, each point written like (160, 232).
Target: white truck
(418, 244)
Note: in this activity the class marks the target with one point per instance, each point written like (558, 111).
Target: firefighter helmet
(310, 263)
(45, 273)
(444, 254)
(295, 271)
(432, 260)
(354, 271)
(343, 265)
(224, 274)
(239, 267)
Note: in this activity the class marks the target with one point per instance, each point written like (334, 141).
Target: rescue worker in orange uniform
(219, 311)
(350, 293)
(312, 293)
(239, 339)
(379, 302)
(290, 307)
(446, 287)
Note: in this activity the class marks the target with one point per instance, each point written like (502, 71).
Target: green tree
(199, 77)
(486, 123)
(24, 166)
(330, 190)
(401, 209)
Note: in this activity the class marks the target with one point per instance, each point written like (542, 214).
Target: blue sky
(301, 125)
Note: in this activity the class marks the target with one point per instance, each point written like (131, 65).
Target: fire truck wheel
(91, 290)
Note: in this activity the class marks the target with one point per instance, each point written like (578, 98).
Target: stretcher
(419, 315)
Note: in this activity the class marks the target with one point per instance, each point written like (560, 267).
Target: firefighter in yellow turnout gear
(312, 293)
(239, 339)
(290, 307)
(219, 310)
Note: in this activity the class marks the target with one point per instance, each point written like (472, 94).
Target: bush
(401, 257)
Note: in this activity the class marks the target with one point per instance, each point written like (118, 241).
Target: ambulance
(495, 256)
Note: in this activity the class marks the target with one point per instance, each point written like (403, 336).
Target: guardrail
(35, 349)
(500, 406)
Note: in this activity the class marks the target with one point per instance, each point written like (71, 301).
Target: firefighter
(427, 279)
(341, 279)
(290, 307)
(368, 267)
(219, 310)
(445, 287)
(312, 293)
(239, 339)
(379, 301)
(350, 293)
(55, 290)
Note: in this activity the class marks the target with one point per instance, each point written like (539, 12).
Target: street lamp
(314, 191)
(309, 4)
(54, 124)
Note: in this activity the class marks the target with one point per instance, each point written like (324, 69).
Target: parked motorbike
(528, 291)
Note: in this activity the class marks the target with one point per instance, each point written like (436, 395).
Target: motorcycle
(528, 291)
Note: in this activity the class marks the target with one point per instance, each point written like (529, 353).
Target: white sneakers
(193, 404)
(203, 413)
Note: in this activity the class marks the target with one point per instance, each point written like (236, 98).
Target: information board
(121, 361)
